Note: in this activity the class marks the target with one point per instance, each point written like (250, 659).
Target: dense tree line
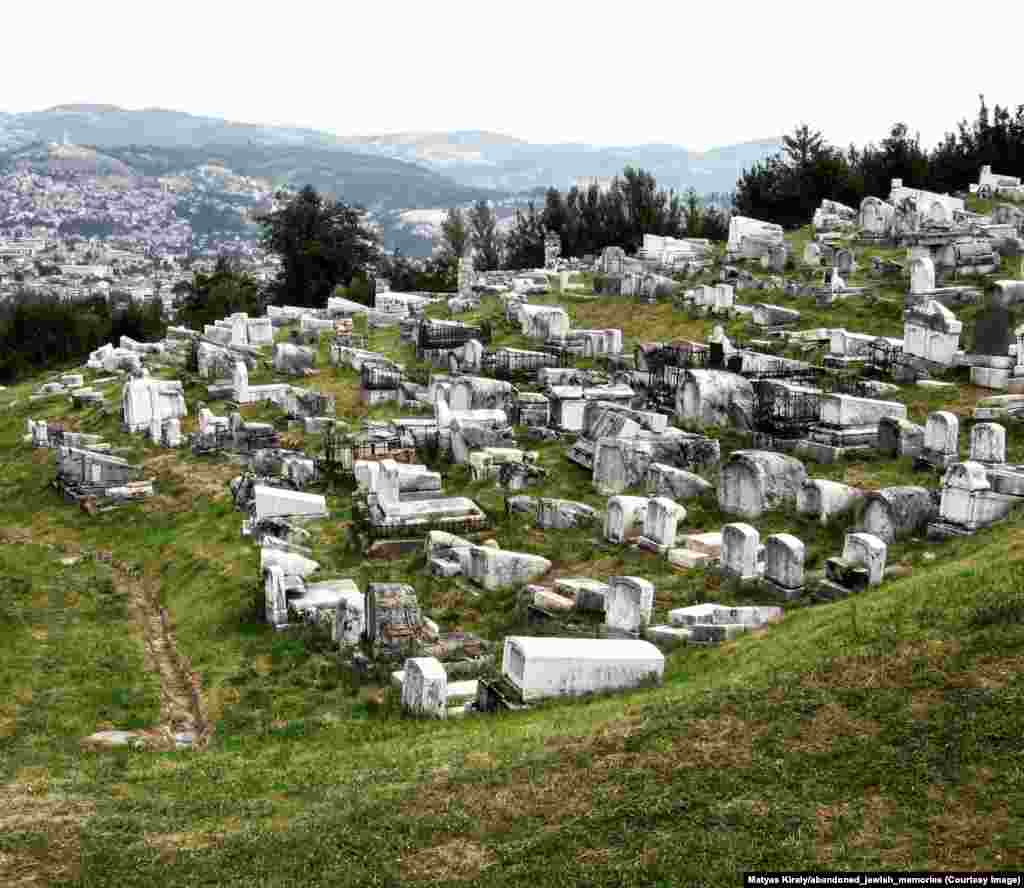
(586, 221)
(38, 332)
(788, 187)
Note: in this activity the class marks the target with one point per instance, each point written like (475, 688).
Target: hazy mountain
(472, 158)
(490, 160)
(389, 174)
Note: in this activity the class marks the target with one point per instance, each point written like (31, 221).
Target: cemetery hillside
(645, 542)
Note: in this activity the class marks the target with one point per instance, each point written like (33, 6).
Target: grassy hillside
(883, 731)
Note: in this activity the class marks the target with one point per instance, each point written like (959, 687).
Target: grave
(988, 444)
(394, 622)
(425, 688)
(900, 437)
(624, 518)
(826, 499)
(144, 400)
(587, 595)
(784, 565)
(676, 484)
(941, 441)
(628, 604)
(972, 498)
(500, 569)
(752, 482)
(740, 546)
(931, 332)
(990, 360)
(553, 667)
(847, 424)
(895, 512)
(661, 522)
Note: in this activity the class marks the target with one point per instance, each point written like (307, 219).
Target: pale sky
(691, 74)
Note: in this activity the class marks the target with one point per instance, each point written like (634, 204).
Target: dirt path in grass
(183, 720)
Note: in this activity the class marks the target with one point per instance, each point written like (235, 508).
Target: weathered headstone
(628, 604)
(941, 437)
(988, 443)
(740, 544)
(784, 563)
(868, 550)
(425, 688)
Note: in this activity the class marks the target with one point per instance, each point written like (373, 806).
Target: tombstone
(941, 439)
(624, 518)
(276, 602)
(740, 543)
(899, 437)
(931, 332)
(812, 254)
(988, 443)
(716, 398)
(869, 551)
(628, 604)
(993, 331)
(844, 262)
(676, 484)
(587, 594)
(349, 619)
(752, 482)
(501, 569)
(171, 432)
(621, 463)
(553, 667)
(895, 512)
(393, 617)
(922, 275)
(968, 501)
(784, 564)
(425, 688)
(240, 383)
(661, 522)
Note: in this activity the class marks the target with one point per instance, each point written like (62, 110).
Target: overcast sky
(692, 74)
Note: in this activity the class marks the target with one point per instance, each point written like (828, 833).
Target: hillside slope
(883, 731)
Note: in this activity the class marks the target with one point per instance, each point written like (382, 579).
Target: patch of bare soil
(29, 808)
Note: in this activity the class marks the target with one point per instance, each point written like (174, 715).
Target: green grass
(883, 731)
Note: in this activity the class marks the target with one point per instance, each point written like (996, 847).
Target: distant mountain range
(388, 173)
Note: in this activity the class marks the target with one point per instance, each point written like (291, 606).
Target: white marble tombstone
(425, 688)
(624, 518)
(553, 667)
(628, 604)
(276, 608)
(740, 543)
(349, 619)
(868, 551)
(922, 275)
(988, 443)
(784, 561)
(240, 383)
(941, 436)
(172, 432)
(661, 523)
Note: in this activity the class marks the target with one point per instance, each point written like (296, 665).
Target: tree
(454, 234)
(524, 246)
(214, 296)
(803, 146)
(483, 227)
(321, 244)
